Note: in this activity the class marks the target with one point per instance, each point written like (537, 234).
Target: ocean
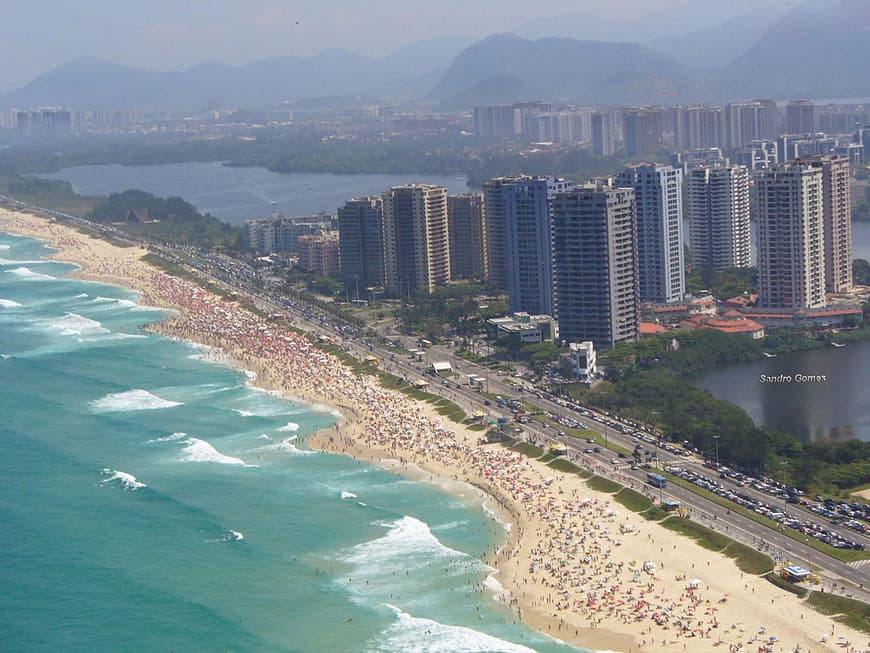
(153, 501)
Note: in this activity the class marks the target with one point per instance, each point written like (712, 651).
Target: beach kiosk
(795, 574)
(671, 504)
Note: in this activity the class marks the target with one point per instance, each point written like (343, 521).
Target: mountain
(687, 17)
(818, 50)
(591, 72)
(88, 83)
(717, 46)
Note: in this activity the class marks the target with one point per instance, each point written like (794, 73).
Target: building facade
(642, 131)
(658, 199)
(320, 254)
(697, 127)
(467, 223)
(595, 262)
(416, 238)
(603, 134)
(791, 237)
(717, 207)
(837, 189)
(361, 240)
(800, 117)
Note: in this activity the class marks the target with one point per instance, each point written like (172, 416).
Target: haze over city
(168, 35)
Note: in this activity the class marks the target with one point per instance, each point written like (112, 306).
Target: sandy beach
(577, 565)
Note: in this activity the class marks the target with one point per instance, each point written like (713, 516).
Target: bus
(425, 344)
(656, 480)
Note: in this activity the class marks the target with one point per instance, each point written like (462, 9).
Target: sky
(36, 35)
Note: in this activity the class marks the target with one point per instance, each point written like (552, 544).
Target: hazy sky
(36, 35)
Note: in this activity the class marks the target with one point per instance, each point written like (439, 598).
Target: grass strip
(747, 560)
(600, 484)
(633, 500)
(851, 612)
(783, 584)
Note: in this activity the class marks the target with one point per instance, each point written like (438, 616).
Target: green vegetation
(732, 282)
(850, 612)
(788, 586)
(427, 313)
(600, 484)
(55, 195)
(163, 219)
(709, 539)
(634, 501)
(861, 272)
(747, 560)
(529, 450)
(562, 465)
(656, 514)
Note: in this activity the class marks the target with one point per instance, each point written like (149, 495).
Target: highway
(730, 523)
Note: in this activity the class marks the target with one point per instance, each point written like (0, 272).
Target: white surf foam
(115, 302)
(8, 303)
(234, 536)
(348, 495)
(123, 402)
(411, 634)
(263, 436)
(408, 537)
(73, 324)
(27, 273)
(127, 481)
(83, 295)
(287, 446)
(4, 248)
(170, 438)
(201, 451)
(244, 413)
(6, 261)
(291, 427)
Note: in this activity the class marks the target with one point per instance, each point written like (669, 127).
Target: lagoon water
(236, 194)
(152, 501)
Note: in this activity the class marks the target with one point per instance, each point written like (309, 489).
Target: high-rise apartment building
(494, 122)
(642, 131)
(603, 136)
(791, 236)
(416, 238)
(717, 207)
(595, 263)
(837, 217)
(659, 204)
(529, 245)
(361, 240)
(744, 122)
(467, 223)
(697, 127)
(493, 206)
(800, 117)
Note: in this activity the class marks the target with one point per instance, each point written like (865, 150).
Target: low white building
(530, 328)
(584, 360)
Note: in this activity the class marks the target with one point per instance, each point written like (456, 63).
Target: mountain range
(814, 50)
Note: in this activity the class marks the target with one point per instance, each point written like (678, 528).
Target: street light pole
(716, 440)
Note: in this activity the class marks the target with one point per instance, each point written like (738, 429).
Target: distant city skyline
(166, 35)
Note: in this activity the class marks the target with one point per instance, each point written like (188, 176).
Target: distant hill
(818, 51)
(88, 83)
(586, 71)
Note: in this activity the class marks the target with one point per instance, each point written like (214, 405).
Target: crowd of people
(574, 563)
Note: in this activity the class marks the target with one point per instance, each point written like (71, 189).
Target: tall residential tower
(659, 201)
(717, 207)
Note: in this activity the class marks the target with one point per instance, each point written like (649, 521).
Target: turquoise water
(152, 501)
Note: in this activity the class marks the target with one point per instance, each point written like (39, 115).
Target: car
(587, 450)
(621, 455)
(597, 449)
(590, 440)
(487, 402)
(614, 461)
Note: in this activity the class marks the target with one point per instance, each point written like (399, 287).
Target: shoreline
(600, 600)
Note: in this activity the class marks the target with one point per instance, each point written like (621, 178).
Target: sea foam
(27, 273)
(170, 438)
(201, 451)
(123, 402)
(73, 324)
(411, 634)
(8, 303)
(127, 481)
(291, 426)
(348, 495)
(287, 446)
(407, 538)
